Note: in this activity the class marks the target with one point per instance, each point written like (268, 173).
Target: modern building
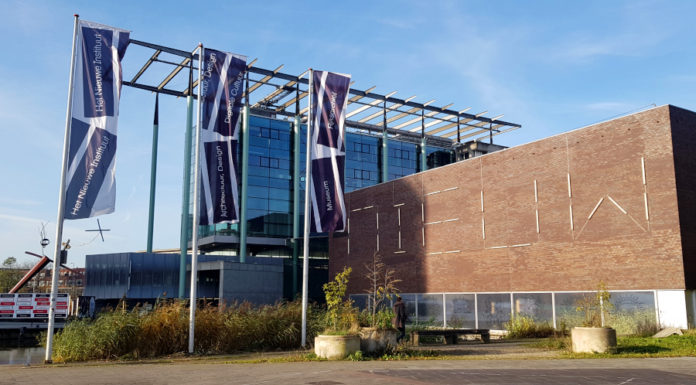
(387, 137)
(534, 228)
(144, 277)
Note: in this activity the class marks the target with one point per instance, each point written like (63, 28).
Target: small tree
(382, 285)
(10, 274)
(9, 262)
(340, 313)
(596, 306)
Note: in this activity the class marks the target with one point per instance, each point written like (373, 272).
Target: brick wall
(684, 144)
(472, 226)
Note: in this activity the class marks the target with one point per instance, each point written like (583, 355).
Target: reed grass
(164, 331)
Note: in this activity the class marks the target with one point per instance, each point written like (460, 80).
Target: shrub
(522, 326)
(596, 306)
(164, 330)
(111, 335)
(382, 283)
(382, 319)
(341, 316)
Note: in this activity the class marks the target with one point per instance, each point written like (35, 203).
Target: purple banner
(222, 88)
(329, 100)
(91, 181)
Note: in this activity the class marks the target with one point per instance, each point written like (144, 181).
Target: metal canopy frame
(276, 94)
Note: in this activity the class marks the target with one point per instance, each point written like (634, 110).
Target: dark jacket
(399, 320)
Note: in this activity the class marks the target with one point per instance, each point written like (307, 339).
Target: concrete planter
(336, 347)
(377, 340)
(593, 340)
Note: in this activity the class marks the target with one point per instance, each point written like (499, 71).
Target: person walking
(399, 320)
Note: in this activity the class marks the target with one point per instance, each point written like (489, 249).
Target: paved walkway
(495, 363)
(593, 371)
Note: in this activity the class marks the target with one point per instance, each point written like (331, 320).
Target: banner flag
(329, 100)
(222, 88)
(90, 178)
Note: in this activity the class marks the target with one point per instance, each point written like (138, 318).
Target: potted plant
(377, 333)
(594, 336)
(340, 338)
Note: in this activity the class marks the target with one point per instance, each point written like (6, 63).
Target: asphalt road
(546, 371)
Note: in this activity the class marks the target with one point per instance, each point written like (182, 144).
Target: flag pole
(61, 203)
(196, 182)
(308, 186)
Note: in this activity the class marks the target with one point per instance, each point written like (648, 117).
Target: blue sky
(551, 66)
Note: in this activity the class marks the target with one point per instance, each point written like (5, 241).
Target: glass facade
(403, 159)
(437, 156)
(629, 311)
(362, 161)
(270, 164)
(269, 207)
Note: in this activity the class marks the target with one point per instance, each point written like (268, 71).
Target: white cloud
(19, 218)
(610, 106)
(20, 202)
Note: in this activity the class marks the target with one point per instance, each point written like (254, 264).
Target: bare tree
(382, 282)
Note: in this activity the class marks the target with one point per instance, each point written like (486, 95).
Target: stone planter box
(336, 347)
(377, 340)
(593, 340)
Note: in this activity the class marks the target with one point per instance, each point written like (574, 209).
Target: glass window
(258, 171)
(277, 205)
(257, 191)
(257, 204)
(566, 314)
(460, 310)
(429, 309)
(274, 193)
(535, 305)
(493, 310)
(632, 311)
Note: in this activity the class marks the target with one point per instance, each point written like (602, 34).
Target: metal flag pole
(186, 187)
(196, 182)
(308, 186)
(61, 203)
(153, 175)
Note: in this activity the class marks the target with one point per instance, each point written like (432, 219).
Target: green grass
(631, 347)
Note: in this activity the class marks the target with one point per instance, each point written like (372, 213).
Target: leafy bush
(341, 316)
(381, 319)
(522, 326)
(596, 306)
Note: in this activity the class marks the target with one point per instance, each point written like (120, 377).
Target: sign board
(7, 305)
(25, 304)
(32, 305)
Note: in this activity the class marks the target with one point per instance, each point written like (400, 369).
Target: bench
(450, 335)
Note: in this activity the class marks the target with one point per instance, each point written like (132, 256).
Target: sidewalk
(495, 363)
(634, 371)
